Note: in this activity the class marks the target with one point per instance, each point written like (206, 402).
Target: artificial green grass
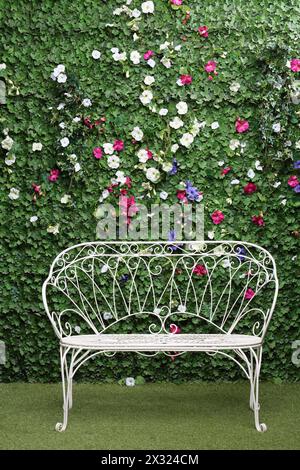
(154, 416)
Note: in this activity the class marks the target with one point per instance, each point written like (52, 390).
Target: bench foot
(60, 427)
(254, 371)
(67, 378)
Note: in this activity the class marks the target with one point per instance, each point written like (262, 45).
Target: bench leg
(256, 357)
(66, 376)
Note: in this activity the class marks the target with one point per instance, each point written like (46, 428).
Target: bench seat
(161, 342)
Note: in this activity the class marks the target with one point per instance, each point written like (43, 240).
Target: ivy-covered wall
(223, 102)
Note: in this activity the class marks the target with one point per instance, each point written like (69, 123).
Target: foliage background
(259, 37)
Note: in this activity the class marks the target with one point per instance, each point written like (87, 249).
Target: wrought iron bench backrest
(202, 287)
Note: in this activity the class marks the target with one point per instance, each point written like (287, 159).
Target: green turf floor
(156, 416)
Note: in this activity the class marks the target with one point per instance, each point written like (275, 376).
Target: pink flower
(149, 153)
(293, 181)
(54, 174)
(128, 206)
(250, 188)
(148, 55)
(210, 77)
(176, 2)
(200, 270)
(226, 170)
(258, 220)
(37, 188)
(87, 123)
(186, 79)
(249, 294)
(295, 65)
(217, 217)
(128, 182)
(97, 152)
(118, 145)
(210, 66)
(181, 195)
(174, 329)
(241, 125)
(203, 31)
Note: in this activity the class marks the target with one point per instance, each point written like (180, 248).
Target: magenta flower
(226, 170)
(118, 145)
(176, 2)
(258, 220)
(250, 188)
(295, 65)
(148, 55)
(293, 181)
(97, 152)
(200, 270)
(54, 174)
(186, 79)
(249, 294)
(210, 66)
(37, 188)
(174, 329)
(203, 31)
(241, 125)
(217, 217)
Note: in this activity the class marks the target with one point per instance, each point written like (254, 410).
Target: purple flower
(297, 189)
(124, 278)
(297, 165)
(241, 253)
(192, 193)
(174, 169)
(172, 238)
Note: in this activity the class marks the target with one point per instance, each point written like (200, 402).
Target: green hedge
(251, 43)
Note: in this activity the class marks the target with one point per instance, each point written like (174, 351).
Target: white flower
(142, 155)
(163, 195)
(258, 166)
(105, 194)
(297, 145)
(276, 184)
(64, 142)
(54, 229)
(187, 139)
(179, 82)
(65, 199)
(96, 54)
(197, 126)
(72, 157)
(288, 64)
(234, 87)
(152, 174)
(120, 177)
(135, 37)
(86, 102)
(14, 194)
(60, 106)
(167, 166)
(77, 167)
(215, 125)
(182, 107)
(10, 160)
(151, 63)
(104, 268)
(135, 13)
(283, 202)
(211, 235)
(119, 56)
(229, 201)
(2, 66)
(135, 57)
(129, 381)
(147, 7)
(181, 308)
(37, 146)
(148, 80)
(137, 133)
(221, 163)
(62, 125)
(7, 143)
(250, 174)
(62, 78)
(114, 50)
(163, 112)
(176, 123)
(164, 46)
(113, 161)
(107, 315)
(108, 148)
(174, 148)
(33, 219)
(166, 62)
(235, 182)
(76, 119)
(226, 263)
(146, 97)
(276, 127)
(234, 144)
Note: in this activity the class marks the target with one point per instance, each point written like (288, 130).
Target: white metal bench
(228, 289)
